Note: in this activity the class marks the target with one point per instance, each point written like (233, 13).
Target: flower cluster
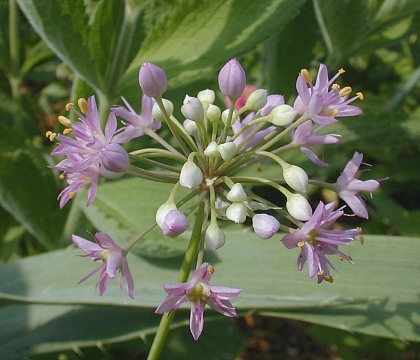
(209, 153)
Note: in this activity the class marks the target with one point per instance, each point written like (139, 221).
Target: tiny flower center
(199, 292)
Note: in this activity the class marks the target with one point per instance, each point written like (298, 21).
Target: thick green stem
(189, 258)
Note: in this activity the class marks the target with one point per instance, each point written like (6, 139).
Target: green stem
(190, 256)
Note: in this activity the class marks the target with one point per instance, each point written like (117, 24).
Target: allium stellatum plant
(215, 146)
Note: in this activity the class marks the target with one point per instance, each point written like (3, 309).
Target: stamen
(65, 121)
(345, 91)
(335, 87)
(72, 195)
(50, 135)
(68, 106)
(67, 131)
(360, 95)
(330, 112)
(83, 105)
(306, 75)
(210, 269)
(301, 244)
(62, 177)
(330, 279)
(341, 71)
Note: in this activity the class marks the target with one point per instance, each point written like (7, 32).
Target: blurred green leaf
(28, 189)
(377, 296)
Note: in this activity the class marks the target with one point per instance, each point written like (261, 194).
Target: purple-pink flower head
(349, 187)
(89, 151)
(232, 79)
(135, 124)
(114, 263)
(152, 80)
(325, 100)
(198, 292)
(316, 240)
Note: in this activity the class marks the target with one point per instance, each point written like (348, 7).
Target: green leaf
(123, 208)
(40, 329)
(198, 35)
(28, 189)
(378, 295)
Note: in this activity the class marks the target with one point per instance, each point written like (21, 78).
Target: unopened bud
(213, 113)
(215, 238)
(237, 193)
(157, 112)
(163, 210)
(190, 126)
(211, 150)
(257, 100)
(152, 80)
(295, 177)
(206, 96)
(227, 150)
(265, 226)
(175, 223)
(299, 207)
(191, 175)
(114, 158)
(236, 212)
(232, 79)
(283, 115)
(193, 110)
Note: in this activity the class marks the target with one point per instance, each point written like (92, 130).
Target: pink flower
(198, 292)
(324, 101)
(317, 241)
(136, 123)
(265, 226)
(90, 153)
(114, 262)
(349, 186)
(305, 136)
(175, 223)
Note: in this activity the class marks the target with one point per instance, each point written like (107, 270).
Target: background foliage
(52, 51)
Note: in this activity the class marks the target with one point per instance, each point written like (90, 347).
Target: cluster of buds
(209, 153)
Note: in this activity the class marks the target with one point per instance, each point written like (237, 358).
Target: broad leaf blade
(371, 296)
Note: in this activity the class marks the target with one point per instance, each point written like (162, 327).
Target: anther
(330, 279)
(65, 121)
(82, 105)
(306, 75)
(341, 71)
(360, 95)
(69, 106)
(72, 195)
(67, 131)
(62, 177)
(301, 244)
(50, 135)
(345, 91)
(335, 87)
(210, 269)
(330, 112)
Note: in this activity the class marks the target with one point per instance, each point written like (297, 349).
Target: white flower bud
(283, 115)
(236, 212)
(265, 226)
(211, 150)
(206, 96)
(158, 114)
(193, 109)
(163, 210)
(257, 100)
(190, 126)
(237, 193)
(215, 238)
(213, 113)
(227, 150)
(191, 175)
(298, 207)
(295, 177)
(225, 114)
